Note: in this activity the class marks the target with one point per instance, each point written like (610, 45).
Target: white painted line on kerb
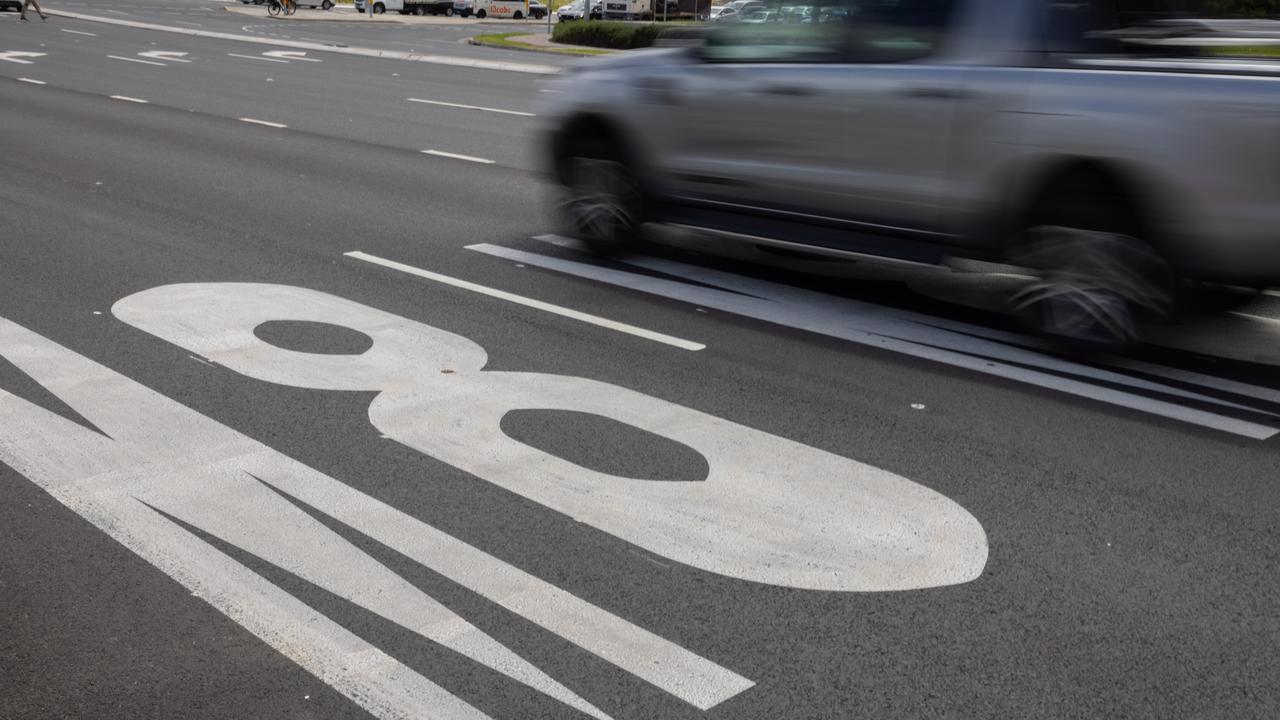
(529, 302)
(33, 82)
(263, 122)
(470, 107)
(129, 99)
(456, 156)
(136, 60)
(257, 57)
(78, 32)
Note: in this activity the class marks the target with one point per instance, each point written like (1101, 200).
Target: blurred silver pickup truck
(1124, 154)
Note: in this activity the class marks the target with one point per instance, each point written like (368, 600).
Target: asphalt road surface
(305, 412)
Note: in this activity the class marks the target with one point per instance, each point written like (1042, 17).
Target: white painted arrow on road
(14, 56)
(169, 55)
(290, 55)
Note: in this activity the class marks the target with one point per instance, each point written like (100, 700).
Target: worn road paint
(151, 457)
(770, 510)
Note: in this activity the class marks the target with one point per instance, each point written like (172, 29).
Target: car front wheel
(603, 205)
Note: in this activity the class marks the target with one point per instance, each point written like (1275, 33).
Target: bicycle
(277, 7)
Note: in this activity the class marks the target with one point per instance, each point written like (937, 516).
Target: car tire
(448, 12)
(326, 5)
(518, 15)
(1098, 276)
(480, 15)
(379, 9)
(604, 206)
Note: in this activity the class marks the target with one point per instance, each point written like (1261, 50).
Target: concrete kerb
(540, 43)
(475, 63)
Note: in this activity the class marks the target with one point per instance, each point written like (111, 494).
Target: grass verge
(504, 40)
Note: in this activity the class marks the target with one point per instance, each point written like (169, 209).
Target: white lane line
(187, 22)
(263, 122)
(126, 98)
(136, 60)
(33, 82)
(893, 330)
(470, 107)
(455, 156)
(256, 57)
(530, 302)
(500, 65)
(78, 32)
(117, 12)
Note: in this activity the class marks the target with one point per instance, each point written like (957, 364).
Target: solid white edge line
(456, 156)
(501, 65)
(263, 122)
(257, 57)
(768, 308)
(136, 60)
(470, 107)
(129, 99)
(78, 32)
(529, 302)
(33, 82)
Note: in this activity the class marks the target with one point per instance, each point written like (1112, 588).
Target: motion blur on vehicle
(1122, 156)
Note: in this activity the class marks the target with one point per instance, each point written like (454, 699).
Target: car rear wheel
(379, 9)
(481, 14)
(604, 203)
(326, 5)
(518, 16)
(1098, 276)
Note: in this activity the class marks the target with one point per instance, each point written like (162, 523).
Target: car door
(846, 119)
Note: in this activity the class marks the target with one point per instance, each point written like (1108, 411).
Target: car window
(835, 31)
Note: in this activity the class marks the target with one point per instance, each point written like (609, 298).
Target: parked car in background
(724, 13)
(760, 16)
(537, 10)
(11, 5)
(1121, 164)
(573, 11)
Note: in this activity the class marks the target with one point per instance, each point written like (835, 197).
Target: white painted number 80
(771, 510)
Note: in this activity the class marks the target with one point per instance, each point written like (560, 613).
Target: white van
(513, 9)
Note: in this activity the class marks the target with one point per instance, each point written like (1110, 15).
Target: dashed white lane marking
(117, 12)
(530, 302)
(78, 32)
(256, 57)
(186, 22)
(456, 156)
(471, 107)
(33, 82)
(263, 122)
(136, 60)
(126, 98)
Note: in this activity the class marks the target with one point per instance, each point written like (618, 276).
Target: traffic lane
(460, 84)
(1052, 480)
(420, 38)
(365, 100)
